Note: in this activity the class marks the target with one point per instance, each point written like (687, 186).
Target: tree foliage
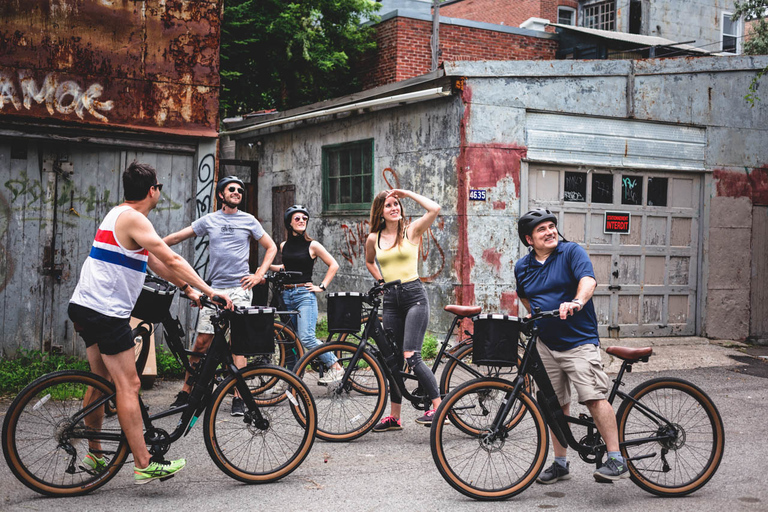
(755, 11)
(285, 53)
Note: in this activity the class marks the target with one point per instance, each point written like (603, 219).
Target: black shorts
(113, 335)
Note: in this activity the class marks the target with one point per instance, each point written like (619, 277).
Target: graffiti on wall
(63, 96)
(353, 246)
(204, 206)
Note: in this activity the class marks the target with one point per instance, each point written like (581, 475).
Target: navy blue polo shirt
(547, 285)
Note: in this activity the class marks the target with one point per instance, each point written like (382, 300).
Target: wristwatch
(184, 288)
(577, 301)
(322, 286)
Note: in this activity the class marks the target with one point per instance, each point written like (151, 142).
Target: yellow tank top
(398, 262)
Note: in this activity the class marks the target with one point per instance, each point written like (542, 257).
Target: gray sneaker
(611, 471)
(554, 473)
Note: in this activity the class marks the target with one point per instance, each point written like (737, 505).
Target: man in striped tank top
(109, 285)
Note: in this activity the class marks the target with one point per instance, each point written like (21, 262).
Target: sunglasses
(158, 186)
(302, 217)
(236, 189)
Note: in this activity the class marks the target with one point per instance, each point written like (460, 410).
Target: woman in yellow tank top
(395, 247)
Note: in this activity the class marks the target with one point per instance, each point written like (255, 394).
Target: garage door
(647, 278)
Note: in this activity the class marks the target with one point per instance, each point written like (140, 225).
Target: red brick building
(404, 45)
(506, 12)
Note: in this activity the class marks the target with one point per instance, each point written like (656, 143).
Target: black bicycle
(350, 407)
(59, 418)
(670, 432)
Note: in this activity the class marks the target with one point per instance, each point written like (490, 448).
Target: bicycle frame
(558, 422)
(388, 356)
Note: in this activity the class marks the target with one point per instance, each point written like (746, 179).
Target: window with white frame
(566, 15)
(730, 34)
(600, 15)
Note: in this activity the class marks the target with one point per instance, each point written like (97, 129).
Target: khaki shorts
(580, 366)
(239, 296)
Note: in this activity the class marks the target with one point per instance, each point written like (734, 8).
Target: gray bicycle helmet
(223, 182)
(527, 223)
(297, 208)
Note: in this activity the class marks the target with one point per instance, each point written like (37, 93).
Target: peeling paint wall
(415, 147)
(477, 140)
(150, 64)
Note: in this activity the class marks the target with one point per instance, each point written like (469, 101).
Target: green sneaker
(611, 471)
(157, 470)
(93, 464)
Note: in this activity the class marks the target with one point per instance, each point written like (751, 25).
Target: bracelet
(184, 288)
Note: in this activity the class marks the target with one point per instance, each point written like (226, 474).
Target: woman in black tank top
(299, 253)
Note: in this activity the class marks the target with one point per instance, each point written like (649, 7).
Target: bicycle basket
(252, 331)
(344, 311)
(495, 341)
(154, 301)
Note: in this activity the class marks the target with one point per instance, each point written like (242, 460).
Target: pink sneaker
(388, 423)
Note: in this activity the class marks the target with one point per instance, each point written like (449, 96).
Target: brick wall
(404, 49)
(506, 12)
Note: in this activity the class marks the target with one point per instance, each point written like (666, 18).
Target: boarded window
(602, 188)
(632, 190)
(348, 175)
(575, 187)
(657, 191)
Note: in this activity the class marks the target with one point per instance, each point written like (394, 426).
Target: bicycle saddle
(631, 354)
(463, 310)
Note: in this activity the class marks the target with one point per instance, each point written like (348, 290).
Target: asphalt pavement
(395, 471)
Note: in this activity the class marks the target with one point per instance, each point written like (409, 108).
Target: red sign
(616, 222)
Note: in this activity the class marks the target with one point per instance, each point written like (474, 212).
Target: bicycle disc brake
(158, 442)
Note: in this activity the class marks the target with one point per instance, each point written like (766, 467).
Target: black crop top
(296, 258)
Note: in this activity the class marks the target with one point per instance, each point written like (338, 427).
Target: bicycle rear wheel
(690, 448)
(45, 434)
(487, 465)
(348, 410)
(254, 452)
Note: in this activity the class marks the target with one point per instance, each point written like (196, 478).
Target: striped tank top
(112, 276)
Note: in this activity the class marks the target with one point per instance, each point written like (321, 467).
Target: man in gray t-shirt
(229, 232)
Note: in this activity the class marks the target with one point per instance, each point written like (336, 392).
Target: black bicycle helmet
(223, 182)
(527, 223)
(297, 208)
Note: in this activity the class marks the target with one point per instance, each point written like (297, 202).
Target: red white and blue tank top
(112, 276)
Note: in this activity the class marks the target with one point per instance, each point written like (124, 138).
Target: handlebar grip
(218, 300)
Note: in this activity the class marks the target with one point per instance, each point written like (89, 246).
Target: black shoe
(238, 407)
(181, 399)
(388, 423)
(554, 473)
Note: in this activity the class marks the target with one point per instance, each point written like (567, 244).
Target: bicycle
(670, 432)
(351, 407)
(58, 418)
(288, 347)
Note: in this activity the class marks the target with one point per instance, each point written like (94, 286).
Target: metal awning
(632, 39)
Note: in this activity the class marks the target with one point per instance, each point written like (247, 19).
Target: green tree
(282, 54)
(757, 42)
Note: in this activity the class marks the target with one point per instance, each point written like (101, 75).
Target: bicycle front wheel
(346, 409)
(689, 447)
(53, 424)
(489, 465)
(261, 450)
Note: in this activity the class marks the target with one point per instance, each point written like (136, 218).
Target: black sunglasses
(238, 189)
(158, 186)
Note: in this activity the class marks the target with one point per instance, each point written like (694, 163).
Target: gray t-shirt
(229, 245)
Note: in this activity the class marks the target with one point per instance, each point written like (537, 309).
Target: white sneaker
(330, 376)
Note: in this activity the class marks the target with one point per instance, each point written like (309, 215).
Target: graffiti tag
(64, 97)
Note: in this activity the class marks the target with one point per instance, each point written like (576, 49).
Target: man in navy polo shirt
(559, 275)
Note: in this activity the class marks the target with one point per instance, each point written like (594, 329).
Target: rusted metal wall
(151, 64)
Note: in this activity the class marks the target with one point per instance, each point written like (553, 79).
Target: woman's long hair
(377, 222)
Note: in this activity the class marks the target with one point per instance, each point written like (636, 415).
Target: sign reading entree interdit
(616, 222)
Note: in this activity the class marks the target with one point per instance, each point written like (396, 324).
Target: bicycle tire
(697, 449)
(344, 412)
(38, 431)
(483, 466)
(251, 454)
